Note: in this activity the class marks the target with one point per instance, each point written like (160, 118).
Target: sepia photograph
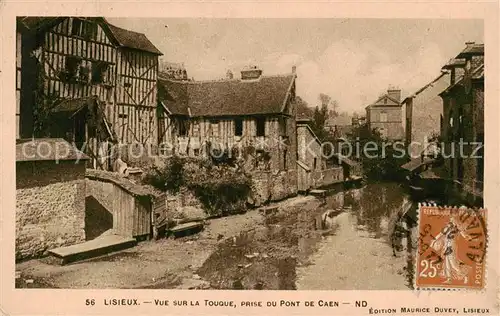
(249, 153)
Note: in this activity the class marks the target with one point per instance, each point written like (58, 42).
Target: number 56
(429, 269)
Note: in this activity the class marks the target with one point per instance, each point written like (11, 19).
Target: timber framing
(79, 57)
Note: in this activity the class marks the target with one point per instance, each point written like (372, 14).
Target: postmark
(452, 246)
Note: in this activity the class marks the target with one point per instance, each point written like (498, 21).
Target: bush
(220, 188)
(169, 178)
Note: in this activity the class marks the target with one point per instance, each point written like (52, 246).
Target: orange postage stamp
(451, 251)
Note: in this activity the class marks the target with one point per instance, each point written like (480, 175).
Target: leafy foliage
(221, 188)
(381, 160)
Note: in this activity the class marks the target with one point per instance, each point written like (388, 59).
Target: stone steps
(92, 248)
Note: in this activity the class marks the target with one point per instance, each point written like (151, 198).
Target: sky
(352, 60)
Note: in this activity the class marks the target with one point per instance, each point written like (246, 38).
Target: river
(342, 242)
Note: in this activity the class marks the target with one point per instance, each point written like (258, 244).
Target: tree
(320, 117)
(303, 109)
(380, 162)
(332, 105)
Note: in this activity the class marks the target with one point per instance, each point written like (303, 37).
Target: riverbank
(165, 263)
(341, 241)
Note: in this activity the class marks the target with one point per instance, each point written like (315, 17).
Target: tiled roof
(73, 105)
(123, 37)
(133, 40)
(454, 62)
(477, 74)
(266, 95)
(441, 81)
(173, 96)
(35, 22)
(46, 149)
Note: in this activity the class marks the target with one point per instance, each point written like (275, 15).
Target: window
(285, 153)
(214, 128)
(76, 27)
(315, 163)
(72, 66)
(238, 127)
(183, 127)
(383, 117)
(261, 126)
(196, 129)
(85, 29)
(282, 125)
(84, 72)
(196, 152)
(100, 72)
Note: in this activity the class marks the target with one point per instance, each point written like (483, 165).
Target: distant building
(463, 119)
(338, 122)
(312, 171)
(385, 115)
(423, 111)
(175, 71)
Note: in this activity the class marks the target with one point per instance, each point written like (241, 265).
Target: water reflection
(266, 257)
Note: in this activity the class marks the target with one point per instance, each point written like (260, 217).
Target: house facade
(385, 115)
(463, 121)
(314, 168)
(87, 81)
(423, 114)
(251, 118)
(255, 111)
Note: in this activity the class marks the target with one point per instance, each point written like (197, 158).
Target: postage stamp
(451, 251)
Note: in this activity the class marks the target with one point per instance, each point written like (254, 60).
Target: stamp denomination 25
(451, 248)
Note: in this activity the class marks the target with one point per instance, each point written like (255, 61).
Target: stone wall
(50, 206)
(102, 191)
(327, 177)
(273, 186)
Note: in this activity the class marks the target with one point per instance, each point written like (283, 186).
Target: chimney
(251, 73)
(294, 69)
(395, 94)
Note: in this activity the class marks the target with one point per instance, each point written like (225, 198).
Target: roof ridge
(124, 29)
(223, 80)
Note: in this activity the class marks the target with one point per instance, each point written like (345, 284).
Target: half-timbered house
(254, 111)
(87, 81)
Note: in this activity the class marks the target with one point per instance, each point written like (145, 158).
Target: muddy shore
(300, 243)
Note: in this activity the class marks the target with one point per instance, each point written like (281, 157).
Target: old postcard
(242, 158)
